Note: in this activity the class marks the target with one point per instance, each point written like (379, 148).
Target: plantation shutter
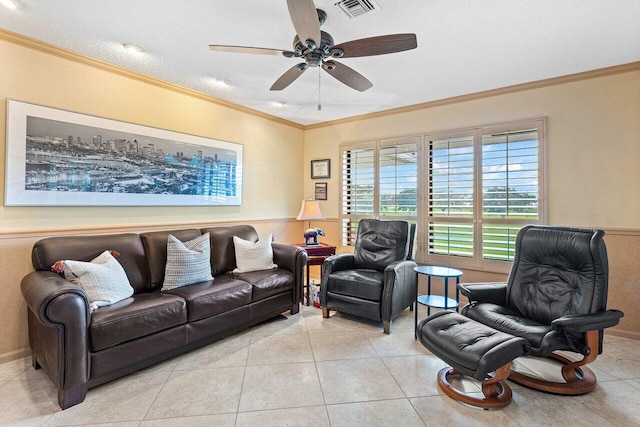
(451, 196)
(358, 189)
(398, 170)
(510, 188)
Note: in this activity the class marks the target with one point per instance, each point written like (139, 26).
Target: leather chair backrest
(85, 248)
(379, 243)
(558, 271)
(223, 252)
(155, 244)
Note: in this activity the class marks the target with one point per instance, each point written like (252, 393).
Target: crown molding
(569, 78)
(82, 59)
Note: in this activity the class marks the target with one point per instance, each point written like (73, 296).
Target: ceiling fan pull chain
(319, 105)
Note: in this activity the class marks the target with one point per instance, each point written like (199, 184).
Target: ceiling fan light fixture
(12, 4)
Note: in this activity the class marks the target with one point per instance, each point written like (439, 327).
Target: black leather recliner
(555, 298)
(378, 280)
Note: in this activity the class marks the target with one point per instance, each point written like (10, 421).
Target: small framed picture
(320, 168)
(321, 191)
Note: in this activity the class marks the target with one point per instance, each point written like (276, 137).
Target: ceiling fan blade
(378, 45)
(247, 49)
(289, 76)
(305, 20)
(347, 75)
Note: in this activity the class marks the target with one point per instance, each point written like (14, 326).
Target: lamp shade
(309, 210)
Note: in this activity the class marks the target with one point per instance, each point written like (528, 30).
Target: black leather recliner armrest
(400, 282)
(337, 263)
(492, 292)
(588, 322)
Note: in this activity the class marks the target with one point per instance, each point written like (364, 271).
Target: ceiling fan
(316, 48)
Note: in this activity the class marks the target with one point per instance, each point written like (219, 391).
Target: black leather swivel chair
(378, 280)
(555, 297)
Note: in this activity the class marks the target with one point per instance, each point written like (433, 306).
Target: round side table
(436, 301)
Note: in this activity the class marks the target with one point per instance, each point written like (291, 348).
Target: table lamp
(309, 210)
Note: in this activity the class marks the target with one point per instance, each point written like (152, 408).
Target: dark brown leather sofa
(80, 350)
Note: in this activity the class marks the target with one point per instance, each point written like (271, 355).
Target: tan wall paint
(593, 161)
(593, 147)
(272, 186)
(594, 128)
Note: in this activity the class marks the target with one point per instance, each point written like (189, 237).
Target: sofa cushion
(214, 297)
(379, 243)
(369, 283)
(84, 248)
(223, 255)
(187, 263)
(140, 315)
(253, 256)
(267, 282)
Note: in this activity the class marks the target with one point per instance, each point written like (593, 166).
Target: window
(469, 191)
(483, 186)
(379, 180)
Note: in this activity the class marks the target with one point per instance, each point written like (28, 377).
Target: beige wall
(593, 162)
(272, 186)
(273, 173)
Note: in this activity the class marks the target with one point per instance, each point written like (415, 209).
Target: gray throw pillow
(187, 263)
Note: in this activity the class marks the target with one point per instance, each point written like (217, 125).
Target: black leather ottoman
(474, 350)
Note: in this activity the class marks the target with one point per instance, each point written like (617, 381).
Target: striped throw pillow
(187, 262)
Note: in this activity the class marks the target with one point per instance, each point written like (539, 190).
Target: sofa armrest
(40, 288)
(59, 318)
(400, 284)
(288, 256)
(492, 292)
(588, 322)
(293, 259)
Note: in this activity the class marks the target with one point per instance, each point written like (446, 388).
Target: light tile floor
(305, 370)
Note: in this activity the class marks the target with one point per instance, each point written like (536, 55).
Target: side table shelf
(316, 256)
(436, 301)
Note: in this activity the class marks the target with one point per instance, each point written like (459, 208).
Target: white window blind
(398, 171)
(358, 189)
(510, 188)
(379, 180)
(451, 198)
(469, 191)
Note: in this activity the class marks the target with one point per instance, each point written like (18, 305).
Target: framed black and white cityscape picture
(62, 158)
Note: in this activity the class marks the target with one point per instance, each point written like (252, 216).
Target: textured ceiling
(464, 46)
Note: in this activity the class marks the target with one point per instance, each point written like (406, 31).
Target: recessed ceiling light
(12, 4)
(131, 47)
(279, 104)
(220, 82)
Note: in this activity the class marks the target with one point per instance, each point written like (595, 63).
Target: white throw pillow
(103, 279)
(253, 256)
(187, 263)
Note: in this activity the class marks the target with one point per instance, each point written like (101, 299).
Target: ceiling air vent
(355, 8)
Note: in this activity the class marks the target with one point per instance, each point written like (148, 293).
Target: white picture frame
(62, 158)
